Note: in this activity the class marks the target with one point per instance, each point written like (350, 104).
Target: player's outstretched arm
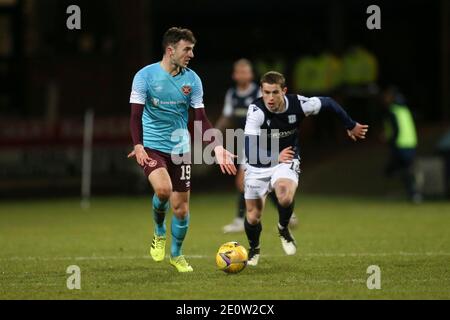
(355, 130)
(223, 156)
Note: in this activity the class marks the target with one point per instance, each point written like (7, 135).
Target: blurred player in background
(161, 96)
(400, 133)
(277, 115)
(237, 100)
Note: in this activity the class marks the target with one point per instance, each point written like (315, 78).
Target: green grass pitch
(338, 238)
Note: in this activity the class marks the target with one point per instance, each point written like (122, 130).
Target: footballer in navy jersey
(275, 117)
(237, 99)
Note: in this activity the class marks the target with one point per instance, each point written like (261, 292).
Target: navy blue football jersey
(237, 102)
(283, 126)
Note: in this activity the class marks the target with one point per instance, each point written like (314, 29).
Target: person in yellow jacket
(317, 75)
(360, 67)
(400, 132)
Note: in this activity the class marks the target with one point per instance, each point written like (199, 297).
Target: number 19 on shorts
(185, 172)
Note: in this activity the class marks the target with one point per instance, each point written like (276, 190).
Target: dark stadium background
(50, 76)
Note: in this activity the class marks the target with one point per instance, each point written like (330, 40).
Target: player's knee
(284, 195)
(180, 210)
(285, 201)
(163, 193)
(253, 216)
(252, 219)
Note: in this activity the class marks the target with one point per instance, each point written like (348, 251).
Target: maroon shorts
(180, 174)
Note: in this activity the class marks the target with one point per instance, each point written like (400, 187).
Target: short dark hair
(174, 35)
(273, 77)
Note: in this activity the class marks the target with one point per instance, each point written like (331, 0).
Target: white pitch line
(297, 281)
(309, 255)
(379, 254)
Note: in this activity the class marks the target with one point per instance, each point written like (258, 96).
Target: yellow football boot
(158, 248)
(181, 264)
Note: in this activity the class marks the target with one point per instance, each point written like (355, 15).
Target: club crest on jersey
(186, 90)
(292, 118)
(155, 102)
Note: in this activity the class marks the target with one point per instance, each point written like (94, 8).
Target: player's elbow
(327, 102)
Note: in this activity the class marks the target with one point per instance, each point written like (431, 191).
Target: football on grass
(231, 257)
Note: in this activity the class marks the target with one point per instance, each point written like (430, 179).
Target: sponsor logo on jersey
(157, 102)
(268, 123)
(283, 134)
(158, 88)
(186, 90)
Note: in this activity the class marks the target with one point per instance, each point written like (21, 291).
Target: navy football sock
(284, 214)
(241, 206)
(253, 233)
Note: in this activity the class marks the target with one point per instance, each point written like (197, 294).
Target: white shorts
(261, 181)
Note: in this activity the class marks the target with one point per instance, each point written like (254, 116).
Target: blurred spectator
(333, 71)
(273, 63)
(307, 77)
(443, 147)
(317, 74)
(360, 67)
(400, 133)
